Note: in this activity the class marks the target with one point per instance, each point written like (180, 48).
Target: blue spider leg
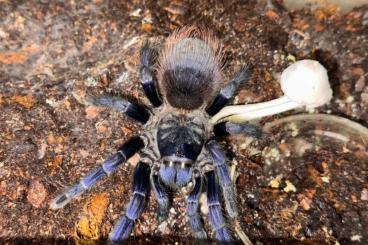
(124, 226)
(195, 219)
(223, 174)
(132, 110)
(228, 91)
(147, 77)
(217, 220)
(229, 128)
(162, 198)
(127, 150)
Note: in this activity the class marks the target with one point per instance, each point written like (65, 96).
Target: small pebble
(3, 187)
(364, 97)
(364, 195)
(289, 187)
(306, 203)
(365, 18)
(275, 183)
(172, 211)
(136, 13)
(134, 160)
(91, 112)
(176, 9)
(325, 179)
(356, 238)
(37, 193)
(359, 84)
(203, 204)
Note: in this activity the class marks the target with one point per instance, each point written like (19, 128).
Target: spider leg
(127, 150)
(162, 198)
(133, 110)
(228, 91)
(148, 78)
(230, 128)
(222, 170)
(124, 226)
(217, 220)
(195, 220)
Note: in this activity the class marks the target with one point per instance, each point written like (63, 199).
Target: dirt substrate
(54, 54)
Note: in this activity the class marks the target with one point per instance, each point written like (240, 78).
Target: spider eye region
(179, 148)
(180, 141)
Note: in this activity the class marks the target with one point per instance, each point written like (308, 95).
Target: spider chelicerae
(177, 147)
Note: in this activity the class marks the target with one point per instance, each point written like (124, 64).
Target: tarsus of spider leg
(195, 220)
(127, 150)
(148, 79)
(161, 197)
(217, 220)
(132, 110)
(222, 170)
(230, 128)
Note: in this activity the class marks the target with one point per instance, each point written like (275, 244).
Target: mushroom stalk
(254, 111)
(304, 83)
(268, 108)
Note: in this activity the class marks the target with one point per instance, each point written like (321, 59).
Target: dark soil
(53, 54)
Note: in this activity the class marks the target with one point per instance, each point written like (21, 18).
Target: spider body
(177, 146)
(178, 142)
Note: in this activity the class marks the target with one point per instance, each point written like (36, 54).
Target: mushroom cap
(306, 83)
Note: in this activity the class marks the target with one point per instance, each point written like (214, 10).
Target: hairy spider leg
(217, 220)
(146, 75)
(133, 110)
(124, 226)
(229, 128)
(128, 149)
(227, 92)
(195, 219)
(222, 171)
(162, 198)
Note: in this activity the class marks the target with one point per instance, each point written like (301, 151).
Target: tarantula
(178, 144)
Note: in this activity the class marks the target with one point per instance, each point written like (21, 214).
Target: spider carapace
(183, 81)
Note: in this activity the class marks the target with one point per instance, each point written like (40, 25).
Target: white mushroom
(304, 83)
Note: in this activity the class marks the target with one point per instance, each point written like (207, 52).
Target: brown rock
(37, 193)
(364, 97)
(239, 26)
(3, 187)
(55, 163)
(51, 139)
(147, 27)
(360, 84)
(134, 160)
(364, 195)
(27, 100)
(272, 15)
(91, 112)
(305, 203)
(176, 9)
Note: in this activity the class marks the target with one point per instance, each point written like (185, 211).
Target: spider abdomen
(190, 69)
(187, 87)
